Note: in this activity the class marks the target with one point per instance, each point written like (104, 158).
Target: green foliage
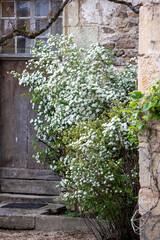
(146, 107)
(81, 101)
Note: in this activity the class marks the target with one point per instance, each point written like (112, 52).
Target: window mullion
(33, 11)
(15, 15)
(1, 23)
(50, 9)
(32, 19)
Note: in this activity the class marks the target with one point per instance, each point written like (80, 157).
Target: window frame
(33, 18)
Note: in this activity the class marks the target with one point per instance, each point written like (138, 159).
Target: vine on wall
(147, 114)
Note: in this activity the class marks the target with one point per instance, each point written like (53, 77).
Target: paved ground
(33, 235)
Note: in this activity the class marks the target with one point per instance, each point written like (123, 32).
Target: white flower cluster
(70, 85)
(73, 91)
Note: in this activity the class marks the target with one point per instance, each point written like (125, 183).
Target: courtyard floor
(33, 235)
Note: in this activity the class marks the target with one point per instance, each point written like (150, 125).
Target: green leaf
(137, 95)
(142, 127)
(146, 106)
(156, 81)
(146, 118)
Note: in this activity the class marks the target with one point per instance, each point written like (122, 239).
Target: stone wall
(149, 69)
(114, 25)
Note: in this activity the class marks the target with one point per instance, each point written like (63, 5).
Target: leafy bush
(82, 109)
(146, 107)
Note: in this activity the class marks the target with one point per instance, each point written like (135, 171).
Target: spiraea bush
(81, 101)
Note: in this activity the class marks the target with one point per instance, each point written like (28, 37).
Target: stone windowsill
(18, 57)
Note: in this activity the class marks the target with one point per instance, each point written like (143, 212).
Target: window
(27, 15)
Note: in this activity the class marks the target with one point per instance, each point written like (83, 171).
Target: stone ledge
(17, 222)
(19, 198)
(39, 219)
(59, 223)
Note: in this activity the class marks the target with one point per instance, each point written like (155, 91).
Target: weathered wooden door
(19, 172)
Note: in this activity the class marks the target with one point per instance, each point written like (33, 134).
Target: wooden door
(19, 172)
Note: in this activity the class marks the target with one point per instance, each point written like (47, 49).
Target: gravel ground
(33, 235)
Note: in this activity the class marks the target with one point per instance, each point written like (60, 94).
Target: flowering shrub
(81, 102)
(102, 171)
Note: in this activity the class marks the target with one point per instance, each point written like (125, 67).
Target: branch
(31, 35)
(45, 143)
(128, 4)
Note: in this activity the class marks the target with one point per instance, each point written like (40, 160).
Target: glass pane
(23, 24)
(23, 9)
(41, 24)
(7, 9)
(7, 26)
(42, 8)
(56, 5)
(9, 46)
(57, 27)
(23, 45)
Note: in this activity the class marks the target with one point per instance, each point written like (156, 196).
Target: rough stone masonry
(149, 156)
(114, 25)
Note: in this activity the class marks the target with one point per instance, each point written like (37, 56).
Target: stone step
(28, 174)
(39, 219)
(21, 198)
(40, 187)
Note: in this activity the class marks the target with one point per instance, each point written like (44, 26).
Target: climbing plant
(146, 107)
(146, 115)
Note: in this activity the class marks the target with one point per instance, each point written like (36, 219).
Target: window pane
(9, 46)
(42, 8)
(23, 9)
(56, 5)
(41, 24)
(57, 27)
(23, 45)
(7, 9)
(7, 26)
(23, 24)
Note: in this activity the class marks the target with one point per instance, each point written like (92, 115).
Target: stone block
(145, 18)
(149, 199)
(126, 43)
(149, 159)
(107, 30)
(150, 228)
(144, 174)
(149, 69)
(71, 14)
(132, 53)
(17, 222)
(107, 35)
(97, 11)
(22, 173)
(123, 15)
(26, 198)
(109, 45)
(29, 186)
(80, 35)
(59, 223)
(114, 37)
(133, 23)
(121, 24)
(149, 29)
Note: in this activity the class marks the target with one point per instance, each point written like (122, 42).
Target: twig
(128, 4)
